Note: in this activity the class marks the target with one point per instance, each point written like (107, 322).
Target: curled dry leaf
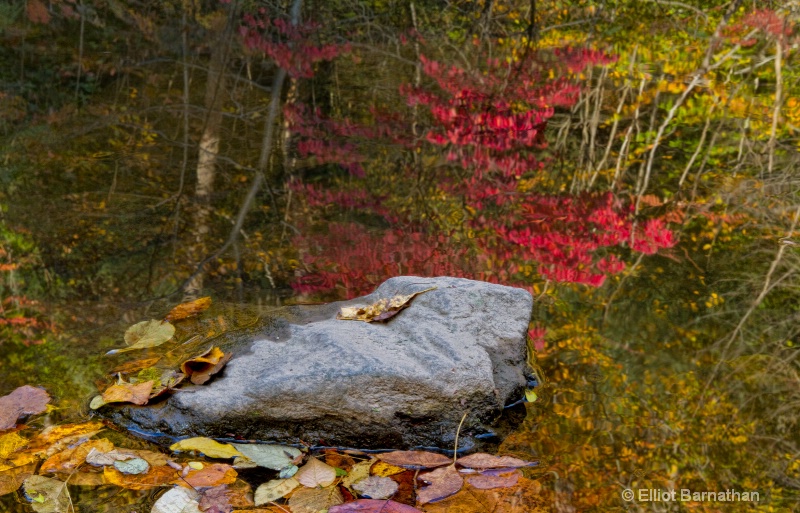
(189, 309)
(207, 446)
(146, 334)
(373, 506)
(443, 482)
(25, 400)
(314, 500)
(376, 487)
(274, 490)
(381, 310)
(315, 473)
(414, 460)
(482, 460)
(203, 366)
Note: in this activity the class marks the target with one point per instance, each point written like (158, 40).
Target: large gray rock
(304, 376)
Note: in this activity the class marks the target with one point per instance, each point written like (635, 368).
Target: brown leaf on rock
(189, 309)
(72, 457)
(12, 478)
(156, 476)
(373, 506)
(443, 482)
(202, 367)
(215, 474)
(381, 310)
(491, 479)
(415, 460)
(25, 400)
(482, 460)
(129, 393)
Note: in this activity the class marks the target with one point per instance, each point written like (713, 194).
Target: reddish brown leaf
(339, 460)
(414, 460)
(227, 497)
(210, 475)
(25, 400)
(373, 506)
(37, 12)
(482, 460)
(444, 482)
(489, 480)
(190, 309)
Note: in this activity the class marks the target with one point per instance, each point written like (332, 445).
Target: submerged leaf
(482, 460)
(381, 310)
(376, 487)
(189, 309)
(314, 500)
(443, 482)
(146, 334)
(25, 400)
(156, 476)
(274, 490)
(373, 506)
(207, 446)
(494, 478)
(12, 477)
(46, 495)
(9, 443)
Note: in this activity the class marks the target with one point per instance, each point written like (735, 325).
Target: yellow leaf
(207, 446)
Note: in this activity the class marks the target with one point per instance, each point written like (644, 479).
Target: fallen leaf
(274, 490)
(134, 366)
(207, 446)
(177, 500)
(376, 487)
(489, 480)
(373, 506)
(128, 393)
(189, 309)
(46, 495)
(55, 438)
(482, 460)
(25, 400)
(93, 479)
(132, 466)
(383, 469)
(154, 477)
(100, 457)
(275, 457)
(358, 472)
(415, 460)
(227, 497)
(214, 474)
(315, 500)
(202, 367)
(315, 473)
(443, 482)
(10, 442)
(12, 477)
(336, 459)
(524, 497)
(381, 310)
(73, 457)
(146, 334)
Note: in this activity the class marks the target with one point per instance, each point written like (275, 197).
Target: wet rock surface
(302, 376)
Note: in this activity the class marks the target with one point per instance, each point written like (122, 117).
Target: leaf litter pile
(204, 475)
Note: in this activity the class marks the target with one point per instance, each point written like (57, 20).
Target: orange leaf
(156, 476)
(202, 367)
(71, 458)
(210, 475)
(190, 309)
(129, 393)
(55, 438)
